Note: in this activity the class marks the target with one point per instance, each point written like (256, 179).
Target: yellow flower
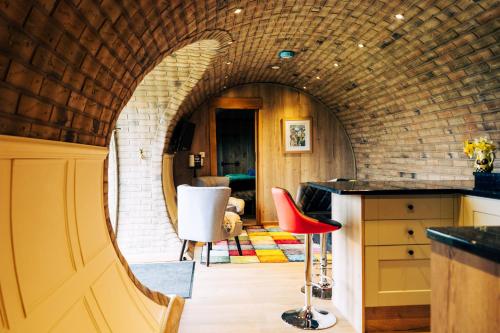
(468, 148)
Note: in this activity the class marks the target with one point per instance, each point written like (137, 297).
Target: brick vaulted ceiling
(417, 88)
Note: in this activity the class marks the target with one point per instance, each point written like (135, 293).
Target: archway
(144, 231)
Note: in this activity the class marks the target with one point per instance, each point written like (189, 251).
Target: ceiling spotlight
(228, 62)
(399, 16)
(361, 45)
(304, 87)
(275, 67)
(238, 10)
(336, 64)
(318, 78)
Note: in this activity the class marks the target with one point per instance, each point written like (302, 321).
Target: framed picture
(297, 135)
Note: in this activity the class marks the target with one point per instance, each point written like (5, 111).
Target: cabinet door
(480, 211)
(397, 275)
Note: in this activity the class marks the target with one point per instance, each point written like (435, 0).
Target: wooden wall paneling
(213, 141)
(413, 318)
(182, 173)
(236, 103)
(465, 291)
(257, 168)
(332, 155)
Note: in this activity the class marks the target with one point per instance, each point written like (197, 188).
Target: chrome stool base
(309, 318)
(320, 292)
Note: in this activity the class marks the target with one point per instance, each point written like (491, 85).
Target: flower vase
(484, 161)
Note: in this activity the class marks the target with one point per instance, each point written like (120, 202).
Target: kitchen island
(381, 256)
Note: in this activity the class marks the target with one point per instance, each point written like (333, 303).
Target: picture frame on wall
(297, 135)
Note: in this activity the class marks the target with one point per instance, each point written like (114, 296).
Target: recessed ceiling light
(361, 45)
(228, 62)
(286, 54)
(318, 78)
(275, 67)
(304, 87)
(238, 10)
(400, 16)
(336, 64)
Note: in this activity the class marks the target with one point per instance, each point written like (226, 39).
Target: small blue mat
(167, 278)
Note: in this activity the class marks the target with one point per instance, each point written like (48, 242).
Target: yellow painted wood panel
(46, 187)
(114, 300)
(93, 234)
(43, 256)
(393, 276)
(80, 313)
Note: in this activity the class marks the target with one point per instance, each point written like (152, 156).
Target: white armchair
(234, 204)
(202, 216)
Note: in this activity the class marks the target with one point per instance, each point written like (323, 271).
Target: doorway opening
(236, 155)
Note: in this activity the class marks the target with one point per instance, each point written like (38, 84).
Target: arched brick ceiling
(417, 88)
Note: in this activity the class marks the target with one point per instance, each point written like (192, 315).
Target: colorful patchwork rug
(260, 244)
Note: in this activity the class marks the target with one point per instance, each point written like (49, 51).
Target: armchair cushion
(238, 204)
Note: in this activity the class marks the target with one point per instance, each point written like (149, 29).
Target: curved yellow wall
(59, 271)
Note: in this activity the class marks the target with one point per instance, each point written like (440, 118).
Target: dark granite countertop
(405, 187)
(481, 241)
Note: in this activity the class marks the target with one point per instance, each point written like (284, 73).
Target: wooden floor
(247, 298)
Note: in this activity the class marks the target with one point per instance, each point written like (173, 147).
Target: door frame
(243, 103)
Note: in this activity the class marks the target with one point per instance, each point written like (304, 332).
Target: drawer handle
(410, 252)
(410, 207)
(411, 232)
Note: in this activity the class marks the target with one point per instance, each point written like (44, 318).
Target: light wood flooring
(248, 298)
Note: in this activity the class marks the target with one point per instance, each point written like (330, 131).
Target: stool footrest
(308, 318)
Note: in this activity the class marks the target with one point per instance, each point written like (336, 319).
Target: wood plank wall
(332, 155)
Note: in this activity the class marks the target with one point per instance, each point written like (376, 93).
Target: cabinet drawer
(396, 232)
(397, 275)
(408, 207)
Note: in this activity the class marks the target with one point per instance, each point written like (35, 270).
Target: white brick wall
(144, 231)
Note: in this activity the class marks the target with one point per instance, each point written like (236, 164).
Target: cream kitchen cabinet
(478, 211)
(381, 264)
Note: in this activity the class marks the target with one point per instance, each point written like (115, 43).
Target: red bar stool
(291, 219)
